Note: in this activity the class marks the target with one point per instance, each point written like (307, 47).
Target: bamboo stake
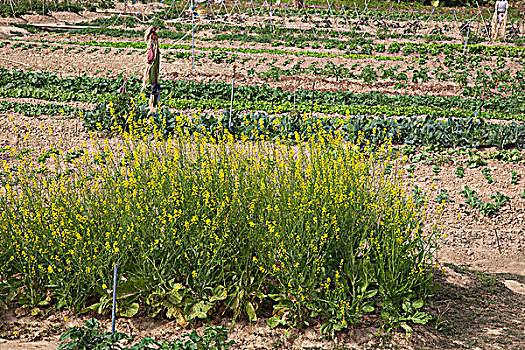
(231, 102)
(482, 18)
(192, 37)
(12, 8)
(456, 20)
(497, 240)
(8, 60)
(358, 16)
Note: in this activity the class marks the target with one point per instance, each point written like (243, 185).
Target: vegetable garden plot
(303, 97)
(182, 95)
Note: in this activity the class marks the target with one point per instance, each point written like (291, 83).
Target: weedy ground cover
(91, 336)
(204, 226)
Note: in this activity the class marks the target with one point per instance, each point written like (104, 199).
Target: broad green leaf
(90, 308)
(368, 308)
(130, 310)
(200, 310)
(406, 327)
(250, 311)
(176, 313)
(219, 294)
(418, 304)
(274, 322)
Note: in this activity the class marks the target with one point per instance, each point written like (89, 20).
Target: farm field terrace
(360, 169)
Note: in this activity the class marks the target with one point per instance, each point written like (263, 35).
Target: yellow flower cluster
(318, 220)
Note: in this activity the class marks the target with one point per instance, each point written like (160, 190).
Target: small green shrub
(91, 337)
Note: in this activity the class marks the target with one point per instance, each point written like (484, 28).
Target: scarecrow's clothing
(153, 64)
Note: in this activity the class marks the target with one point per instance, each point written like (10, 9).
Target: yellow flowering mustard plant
(200, 223)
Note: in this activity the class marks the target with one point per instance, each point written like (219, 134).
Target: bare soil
(493, 244)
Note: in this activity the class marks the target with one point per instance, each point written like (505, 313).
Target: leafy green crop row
(353, 45)
(376, 110)
(469, 132)
(448, 48)
(31, 109)
(53, 94)
(189, 94)
(142, 45)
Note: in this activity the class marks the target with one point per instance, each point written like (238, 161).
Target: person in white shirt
(501, 9)
(499, 20)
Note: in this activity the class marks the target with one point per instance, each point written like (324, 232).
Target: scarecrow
(152, 69)
(499, 20)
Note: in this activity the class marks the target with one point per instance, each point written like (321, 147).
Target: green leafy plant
(475, 160)
(509, 156)
(368, 74)
(217, 57)
(500, 199)
(488, 208)
(410, 170)
(471, 197)
(486, 174)
(443, 196)
(460, 172)
(232, 58)
(91, 337)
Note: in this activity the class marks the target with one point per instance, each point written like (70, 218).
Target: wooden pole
(312, 107)
(12, 8)
(192, 38)
(231, 102)
(482, 18)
